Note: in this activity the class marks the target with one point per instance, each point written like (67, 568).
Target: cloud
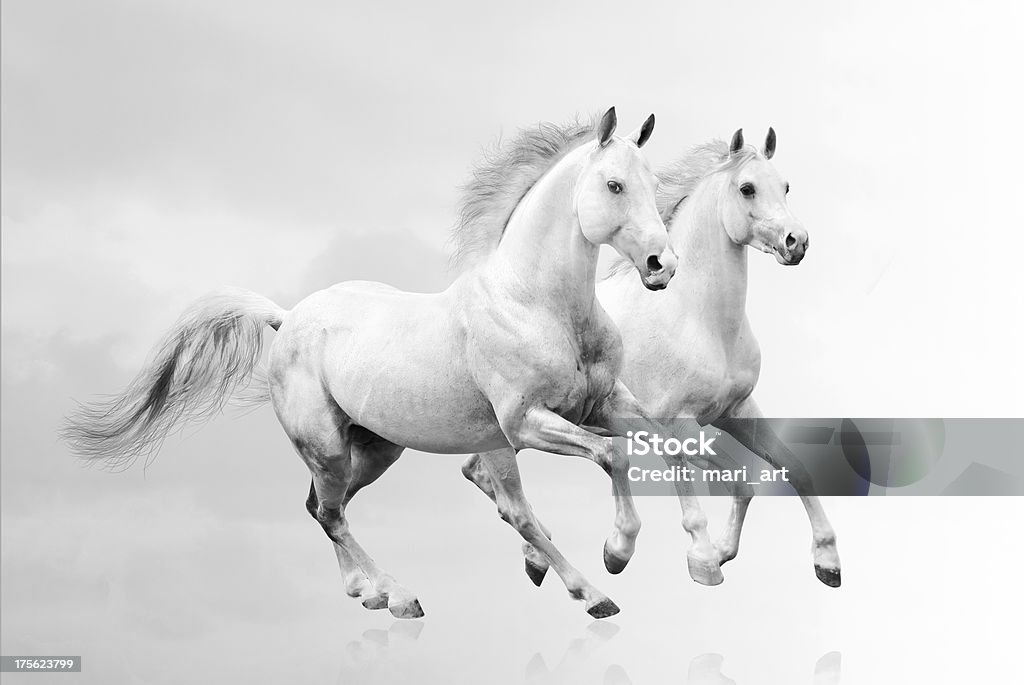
(394, 257)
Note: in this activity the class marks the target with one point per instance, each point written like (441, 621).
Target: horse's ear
(737, 142)
(643, 134)
(607, 127)
(769, 144)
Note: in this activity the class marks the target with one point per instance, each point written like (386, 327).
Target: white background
(155, 151)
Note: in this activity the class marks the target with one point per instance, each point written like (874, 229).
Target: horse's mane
(501, 180)
(681, 178)
(678, 180)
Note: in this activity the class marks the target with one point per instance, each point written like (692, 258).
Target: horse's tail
(209, 355)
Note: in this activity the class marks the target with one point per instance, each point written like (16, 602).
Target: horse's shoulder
(602, 337)
(747, 349)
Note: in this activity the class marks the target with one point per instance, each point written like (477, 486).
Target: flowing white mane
(679, 179)
(502, 178)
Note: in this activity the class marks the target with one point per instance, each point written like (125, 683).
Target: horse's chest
(724, 385)
(565, 369)
(717, 381)
(578, 383)
(581, 371)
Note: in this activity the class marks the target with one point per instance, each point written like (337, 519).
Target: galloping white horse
(692, 353)
(515, 353)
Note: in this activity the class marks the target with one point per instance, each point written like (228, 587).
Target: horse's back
(384, 354)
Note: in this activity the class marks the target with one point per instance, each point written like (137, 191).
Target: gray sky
(155, 151)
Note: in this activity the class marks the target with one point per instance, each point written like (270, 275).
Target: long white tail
(208, 356)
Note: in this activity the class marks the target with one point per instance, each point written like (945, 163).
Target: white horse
(515, 353)
(691, 353)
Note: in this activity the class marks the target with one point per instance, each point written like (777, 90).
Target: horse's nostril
(790, 242)
(653, 263)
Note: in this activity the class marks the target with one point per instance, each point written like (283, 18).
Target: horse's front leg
(746, 425)
(542, 429)
(499, 465)
(620, 413)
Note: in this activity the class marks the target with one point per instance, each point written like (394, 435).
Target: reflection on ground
(706, 669)
(374, 655)
(376, 648)
(580, 652)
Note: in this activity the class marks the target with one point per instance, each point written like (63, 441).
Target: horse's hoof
(535, 572)
(603, 609)
(376, 602)
(705, 571)
(410, 609)
(614, 564)
(829, 576)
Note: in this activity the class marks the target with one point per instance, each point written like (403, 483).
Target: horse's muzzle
(793, 248)
(658, 270)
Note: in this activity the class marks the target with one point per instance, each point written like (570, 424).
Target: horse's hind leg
(331, 479)
(370, 459)
(322, 435)
(330, 513)
(355, 581)
(474, 469)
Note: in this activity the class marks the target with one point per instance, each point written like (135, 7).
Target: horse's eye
(615, 187)
(747, 189)
(787, 189)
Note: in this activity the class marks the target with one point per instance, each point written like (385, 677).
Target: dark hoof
(535, 572)
(376, 602)
(603, 609)
(410, 609)
(613, 563)
(829, 576)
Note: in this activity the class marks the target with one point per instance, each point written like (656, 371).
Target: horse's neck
(713, 268)
(544, 247)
